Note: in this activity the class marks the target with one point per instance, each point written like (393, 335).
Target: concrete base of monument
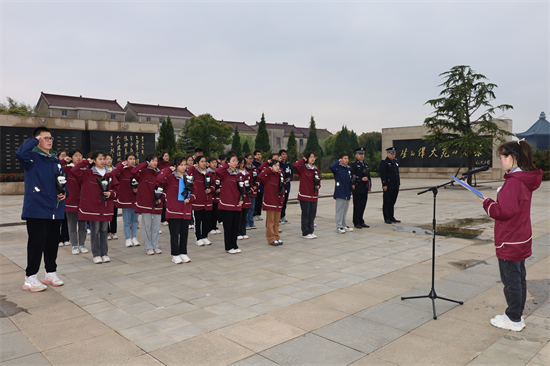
(12, 188)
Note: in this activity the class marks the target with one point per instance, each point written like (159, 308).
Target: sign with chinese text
(417, 153)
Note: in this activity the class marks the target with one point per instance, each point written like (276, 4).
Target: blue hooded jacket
(342, 176)
(40, 200)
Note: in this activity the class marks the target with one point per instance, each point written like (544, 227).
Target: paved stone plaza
(334, 300)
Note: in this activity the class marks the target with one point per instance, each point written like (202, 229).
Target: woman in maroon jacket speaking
(513, 235)
(96, 201)
(231, 202)
(310, 182)
(274, 196)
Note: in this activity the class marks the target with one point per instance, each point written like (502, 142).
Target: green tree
(166, 140)
(184, 143)
(15, 107)
(342, 142)
(463, 115)
(262, 137)
(212, 136)
(246, 147)
(236, 143)
(328, 144)
(312, 143)
(292, 147)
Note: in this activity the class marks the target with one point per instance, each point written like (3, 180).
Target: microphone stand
(432, 295)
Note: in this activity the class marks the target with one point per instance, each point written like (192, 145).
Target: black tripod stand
(432, 295)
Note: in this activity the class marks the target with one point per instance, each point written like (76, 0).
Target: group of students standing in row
(188, 192)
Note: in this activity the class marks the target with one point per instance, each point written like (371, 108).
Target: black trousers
(64, 236)
(390, 197)
(179, 229)
(113, 224)
(359, 205)
(43, 238)
(283, 212)
(309, 211)
(259, 201)
(512, 274)
(242, 222)
(230, 228)
(202, 223)
(215, 216)
(163, 214)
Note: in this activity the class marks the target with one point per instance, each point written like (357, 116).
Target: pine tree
(246, 147)
(312, 143)
(236, 143)
(166, 140)
(262, 137)
(341, 144)
(292, 147)
(460, 121)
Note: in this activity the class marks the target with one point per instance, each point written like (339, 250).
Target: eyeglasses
(48, 138)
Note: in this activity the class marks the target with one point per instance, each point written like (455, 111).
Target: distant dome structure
(538, 135)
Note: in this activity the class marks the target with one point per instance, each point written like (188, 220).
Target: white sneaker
(165, 223)
(231, 251)
(206, 241)
(200, 242)
(114, 236)
(52, 279)
(341, 231)
(33, 284)
(191, 226)
(97, 260)
(506, 316)
(177, 259)
(313, 235)
(105, 259)
(129, 243)
(83, 249)
(75, 250)
(505, 323)
(185, 258)
(60, 243)
(314, 225)
(213, 232)
(308, 236)
(238, 250)
(67, 243)
(240, 237)
(108, 236)
(246, 237)
(135, 242)
(218, 231)
(150, 252)
(160, 231)
(88, 231)
(347, 228)
(158, 251)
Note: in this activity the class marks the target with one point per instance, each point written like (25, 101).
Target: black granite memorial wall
(417, 153)
(116, 143)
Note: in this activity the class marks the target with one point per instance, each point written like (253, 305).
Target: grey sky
(368, 65)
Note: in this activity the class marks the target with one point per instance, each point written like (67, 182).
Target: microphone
(473, 171)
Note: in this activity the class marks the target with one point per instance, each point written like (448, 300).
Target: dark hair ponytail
(521, 151)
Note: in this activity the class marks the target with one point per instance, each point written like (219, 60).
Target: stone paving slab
(222, 309)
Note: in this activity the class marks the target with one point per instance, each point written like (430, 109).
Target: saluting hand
(124, 163)
(172, 168)
(90, 161)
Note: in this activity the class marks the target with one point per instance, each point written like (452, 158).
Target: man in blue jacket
(286, 168)
(342, 191)
(43, 207)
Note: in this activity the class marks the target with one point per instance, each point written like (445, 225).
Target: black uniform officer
(361, 183)
(389, 174)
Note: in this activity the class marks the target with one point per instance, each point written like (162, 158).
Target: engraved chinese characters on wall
(417, 153)
(118, 144)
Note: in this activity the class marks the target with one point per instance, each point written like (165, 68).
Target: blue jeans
(131, 221)
(250, 216)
